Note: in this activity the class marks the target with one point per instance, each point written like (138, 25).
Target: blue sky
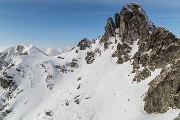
(63, 23)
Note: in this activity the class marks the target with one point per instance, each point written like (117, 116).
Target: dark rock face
(165, 48)
(122, 53)
(6, 83)
(90, 57)
(117, 20)
(162, 48)
(142, 75)
(9, 85)
(20, 48)
(157, 48)
(164, 91)
(73, 64)
(61, 68)
(3, 63)
(109, 30)
(84, 43)
(134, 23)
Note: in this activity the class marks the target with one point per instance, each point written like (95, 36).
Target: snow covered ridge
(127, 74)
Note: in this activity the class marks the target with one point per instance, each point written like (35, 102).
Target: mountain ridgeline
(132, 70)
(158, 49)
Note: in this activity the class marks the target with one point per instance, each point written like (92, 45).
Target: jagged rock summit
(129, 73)
(157, 48)
(131, 24)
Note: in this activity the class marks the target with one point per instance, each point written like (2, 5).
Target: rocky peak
(134, 23)
(20, 48)
(110, 27)
(117, 19)
(109, 30)
(157, 48)
(84, 43)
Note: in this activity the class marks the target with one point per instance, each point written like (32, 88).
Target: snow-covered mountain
(130, 73)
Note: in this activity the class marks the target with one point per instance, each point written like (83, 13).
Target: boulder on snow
(90, 57)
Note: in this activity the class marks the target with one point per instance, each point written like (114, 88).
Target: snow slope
(102, 90)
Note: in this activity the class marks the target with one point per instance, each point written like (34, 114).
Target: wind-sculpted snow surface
(94, 81)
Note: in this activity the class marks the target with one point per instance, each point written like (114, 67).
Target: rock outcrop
(117, 20)
(109, 30)
(90, 57)
(122, 53)
(157, 48)
(6, 83)
(84, 43)
(134, 23)
(20, 48)
(164, 91)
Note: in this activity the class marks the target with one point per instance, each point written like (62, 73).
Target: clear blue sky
(65, 22)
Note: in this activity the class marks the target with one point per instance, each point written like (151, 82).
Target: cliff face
(164, 90)
(134, 23)
(131, 25)
(157, 49)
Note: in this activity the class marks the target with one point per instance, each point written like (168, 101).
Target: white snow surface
(102, 90)
(32, 50)
(52, 52)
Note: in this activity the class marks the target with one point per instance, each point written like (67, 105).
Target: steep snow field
(102, 90)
